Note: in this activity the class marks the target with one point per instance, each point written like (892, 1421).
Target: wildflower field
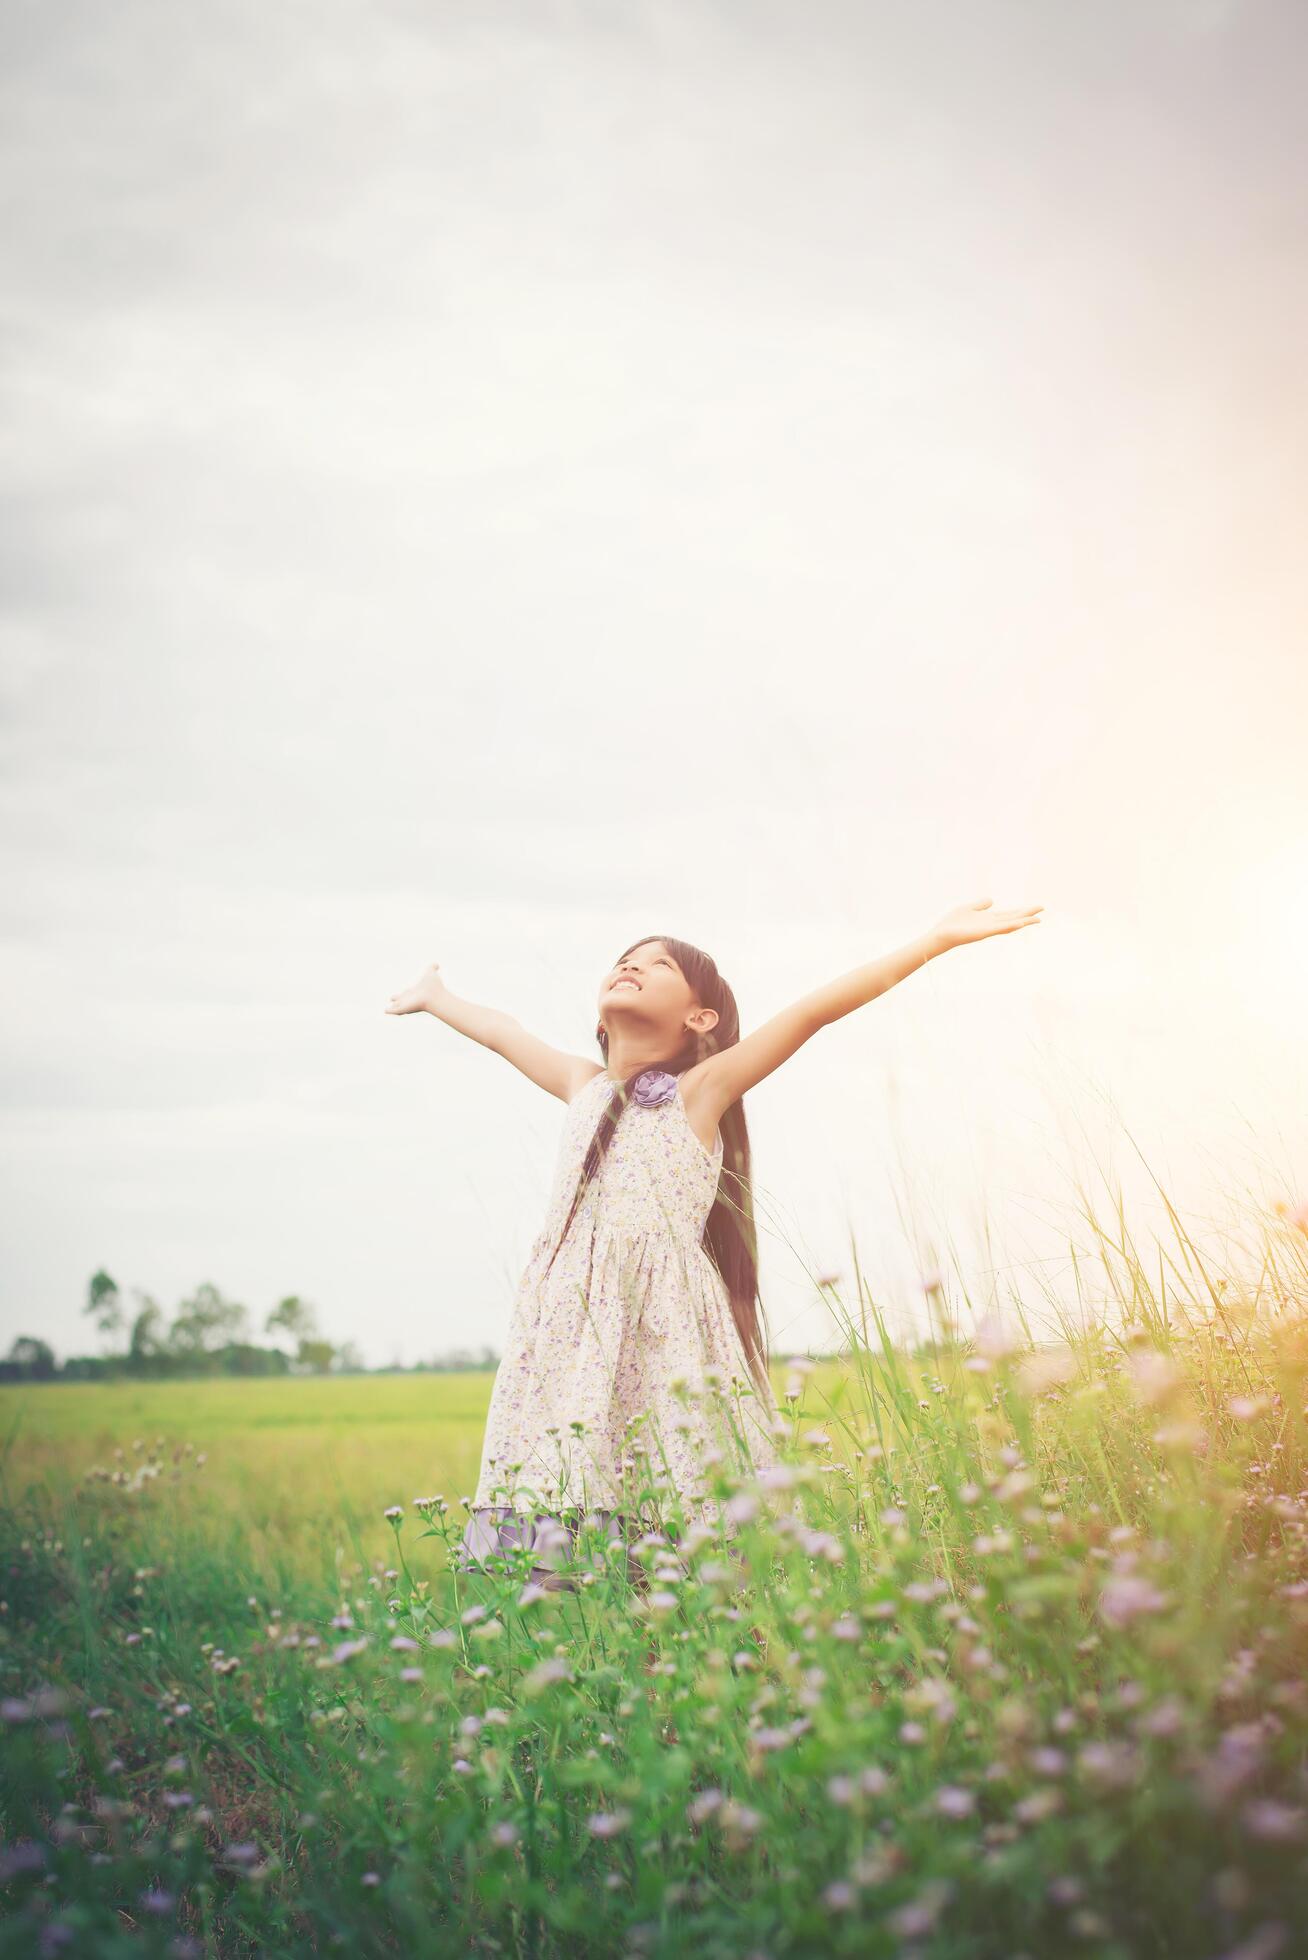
(1007, 1659)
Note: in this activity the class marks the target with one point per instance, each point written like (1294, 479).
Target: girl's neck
(629, 1059)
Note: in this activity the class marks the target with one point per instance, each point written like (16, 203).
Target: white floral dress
(631, 1307)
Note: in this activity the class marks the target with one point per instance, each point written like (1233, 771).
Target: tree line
(207, 1334)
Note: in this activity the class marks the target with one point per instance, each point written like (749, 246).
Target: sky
(482, 484)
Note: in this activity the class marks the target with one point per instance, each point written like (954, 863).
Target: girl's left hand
(968, 922)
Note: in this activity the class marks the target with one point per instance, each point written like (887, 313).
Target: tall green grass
(1008, 1660)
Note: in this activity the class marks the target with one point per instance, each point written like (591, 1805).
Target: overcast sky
(484, 483)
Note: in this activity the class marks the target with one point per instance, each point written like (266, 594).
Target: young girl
(635, 1358)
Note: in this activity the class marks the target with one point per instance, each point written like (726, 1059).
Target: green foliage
(294, 1317)
(1008, 1659)
(148, 1337)
(204, 1321)
(30, 1359)
(316, 1355)
(104, 1304)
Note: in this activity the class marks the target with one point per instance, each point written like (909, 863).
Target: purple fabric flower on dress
(652, 1086)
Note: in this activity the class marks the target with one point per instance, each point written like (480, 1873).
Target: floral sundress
(628, 1333)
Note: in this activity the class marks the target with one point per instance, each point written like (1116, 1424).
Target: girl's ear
(704, 1020)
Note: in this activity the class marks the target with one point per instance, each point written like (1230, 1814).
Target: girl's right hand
(422, 996)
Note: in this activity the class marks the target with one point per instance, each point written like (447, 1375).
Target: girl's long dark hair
(730, 1238)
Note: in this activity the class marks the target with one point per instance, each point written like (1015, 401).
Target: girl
(636, 1358)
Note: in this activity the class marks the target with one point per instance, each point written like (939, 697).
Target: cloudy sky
(482, 483)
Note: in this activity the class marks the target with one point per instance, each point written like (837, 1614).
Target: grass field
(1013, 1666)
(307, 1466)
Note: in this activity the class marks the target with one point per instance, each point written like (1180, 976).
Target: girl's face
(647, 988)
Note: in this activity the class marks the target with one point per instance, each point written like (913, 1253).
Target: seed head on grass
(608, 1823)
(546, 1673)
(1127, 1596)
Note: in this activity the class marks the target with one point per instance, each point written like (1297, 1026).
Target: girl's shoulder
(583, 1075)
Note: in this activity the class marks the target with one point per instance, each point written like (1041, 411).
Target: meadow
(1007, 1659)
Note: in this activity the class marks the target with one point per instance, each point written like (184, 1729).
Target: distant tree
(104, 1304)
(32, 1358)
(147, 1338)
(204, 1322)
(462, 1361)
(293, 1317)
(242, 1358)
(349, 1361)
(316, 1355)
(87, 1368)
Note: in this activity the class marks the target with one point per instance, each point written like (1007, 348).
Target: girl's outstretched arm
(720, 1080)
(563, 1075)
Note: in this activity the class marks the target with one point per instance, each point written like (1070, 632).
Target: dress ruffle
(494, 1531)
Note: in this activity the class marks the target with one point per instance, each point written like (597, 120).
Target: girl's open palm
(968, 922)
(419, 997)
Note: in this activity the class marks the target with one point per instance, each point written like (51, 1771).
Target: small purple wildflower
(1126, 1596)
(607, 1823)
(1277, 1823)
